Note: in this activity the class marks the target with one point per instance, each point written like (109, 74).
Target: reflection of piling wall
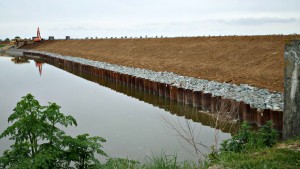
(197, 99)
(291, 90)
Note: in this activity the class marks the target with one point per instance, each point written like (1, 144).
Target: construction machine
(19, 41)
(38, 37)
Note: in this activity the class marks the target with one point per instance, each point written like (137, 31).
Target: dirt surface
(254, 60)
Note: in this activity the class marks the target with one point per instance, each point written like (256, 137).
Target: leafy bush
(246, 139)
(39, 143)
(267, 135)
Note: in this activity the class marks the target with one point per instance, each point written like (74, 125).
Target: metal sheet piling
(197, 99)
(167, 90)
(216, 104)
(206, 101)
(173, 93)
(277, 119)
(188, 97)
(155, 87)
(246, 112)
(180, 95)
(167, 94)
(253, 115)
(161, 89)
(146, 85)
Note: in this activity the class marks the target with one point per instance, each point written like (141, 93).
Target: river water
(135, 124)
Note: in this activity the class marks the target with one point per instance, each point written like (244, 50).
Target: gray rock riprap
(256, 97)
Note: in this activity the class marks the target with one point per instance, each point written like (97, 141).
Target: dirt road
(254, 60)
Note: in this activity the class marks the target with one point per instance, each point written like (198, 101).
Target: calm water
(133, 123)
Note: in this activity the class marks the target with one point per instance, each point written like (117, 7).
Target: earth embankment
(253, 60)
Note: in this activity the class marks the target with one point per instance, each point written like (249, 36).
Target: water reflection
(19, 60)
(187, 132)
(133, 126)
(40, 66)
(175, 108)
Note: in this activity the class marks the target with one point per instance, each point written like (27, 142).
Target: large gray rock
(291, 116)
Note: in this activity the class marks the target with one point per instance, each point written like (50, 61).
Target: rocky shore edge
(255, 97)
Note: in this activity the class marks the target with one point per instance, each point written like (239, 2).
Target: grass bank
(283, 155)
(246, 149)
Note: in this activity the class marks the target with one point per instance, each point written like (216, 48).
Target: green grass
(281, 156)
(167, 162)
(276, 157)
(161, 161)
(2, 45)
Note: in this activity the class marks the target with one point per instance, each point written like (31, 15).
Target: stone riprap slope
(256, 97)
(254, 60)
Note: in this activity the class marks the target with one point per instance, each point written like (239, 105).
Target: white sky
(106, 18)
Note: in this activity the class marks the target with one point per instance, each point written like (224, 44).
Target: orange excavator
(38, 38)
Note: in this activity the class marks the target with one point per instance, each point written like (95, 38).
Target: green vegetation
(287, 156)
(6, 40)
(2, 45)
(38, 143)
(245, 139)
(257, 149)
(161, 161)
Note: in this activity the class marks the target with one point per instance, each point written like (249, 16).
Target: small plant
(164, 161)
(246, 139)
(120, 163)
(239, 141)
(267, 134)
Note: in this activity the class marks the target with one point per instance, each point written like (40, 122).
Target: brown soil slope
(254, 60)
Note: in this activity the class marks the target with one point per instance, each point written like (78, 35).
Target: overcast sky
(106, 18)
